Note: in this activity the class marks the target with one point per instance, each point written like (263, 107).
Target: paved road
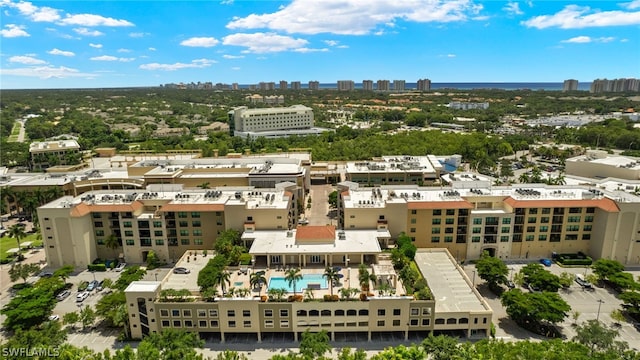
(318, 214)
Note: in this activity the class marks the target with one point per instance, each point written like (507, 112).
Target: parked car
(120, 267)
(92, 285)
(99, 286)
(45, 274)
(510, 284)
(181, 270)
(82, 296)
(54, 317)
(63, 295)
(582, 282)
(546, 262)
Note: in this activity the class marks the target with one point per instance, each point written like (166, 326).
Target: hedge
(565, 261)
(97, 267)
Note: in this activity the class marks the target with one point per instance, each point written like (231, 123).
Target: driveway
(319, 212)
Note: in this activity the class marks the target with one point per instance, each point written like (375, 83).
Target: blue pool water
(278, 282)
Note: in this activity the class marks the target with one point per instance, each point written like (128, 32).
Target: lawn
(7, 243)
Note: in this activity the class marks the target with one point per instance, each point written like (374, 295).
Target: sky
(91, 44)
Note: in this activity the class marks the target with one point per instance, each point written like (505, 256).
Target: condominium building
(267, 86)
(273, 122)
(424, 85)
(456, 307)
(295, 85)
(314, 85)
(615, 85)
(283, 85)
(383, 85)
(570, 85)
(45, 154)
(346, 85)
(518, 222)
(367, 85)
(166, 219)
(398, 85)
(394, 170)
(463, 105)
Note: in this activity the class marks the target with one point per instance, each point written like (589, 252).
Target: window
(546, 210)
(586, 236)
(435, 230)
(213, 323)
(413, 221)
(175, 312)
(504, 238)
(195, 214)
(591, 210)
(232, 323)
(414, 212)
(197, 232)
(437, 212)
(586, 228)
(448, 239)
(451, 211)
(531, 228)
(477, 221)
(380, 322)
(196, 223)
(128, 233)
(381, 312)
(247, 323)
(130, 242)
(183, 223)
(127, 224)
(506, 221)
(177, 323)
(435, 239)
(184, 232)
(575, 210)
(159, 242)
(197, 242)
(164, 312)
(529, 238)
(573, 219)
(213, 313)
(588, 218)
(157, 224)
(97, 224)
(202, 323)
(184, 241)
(436, 221)
(396, 312)
(284, 312)
(505, 230)
(94, 215)
(99, 232)
(284, 323)
(573, 227)
(413, 322)
(475, 239)
(188, 323)
(544, 220)
(533, 211)
(186, 313)
(166, 323)
(202, 313)
(450, 221)
(542, 237)
(544, 228)
(231, 313)
(100, 241)
(246, 313)
(415, 312)
(477, 230)
(157, 232)
(531, 220)
(182, 215)
(268, 323)
(412, 230)
(426, 322)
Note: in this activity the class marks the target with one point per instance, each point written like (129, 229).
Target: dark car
(510, 284)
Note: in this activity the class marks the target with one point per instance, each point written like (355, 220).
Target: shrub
(97, 267)
(294, 298)
(83, 285)
(330, 298)
(245, 259)
(363, 297)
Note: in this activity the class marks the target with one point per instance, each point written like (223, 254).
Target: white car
(82, 296)
(120, 267)
(54, 317)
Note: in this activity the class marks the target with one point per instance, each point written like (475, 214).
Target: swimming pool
(279, 282)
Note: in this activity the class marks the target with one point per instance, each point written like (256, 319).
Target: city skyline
(118, 44)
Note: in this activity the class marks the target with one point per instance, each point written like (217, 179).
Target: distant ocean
(470, 86)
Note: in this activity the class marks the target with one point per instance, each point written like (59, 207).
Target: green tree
(314, 345)
(595, 336)
(129, 275)
(257, 279)
(71, 318)
(364, 277)
(292, 276)
(440, 347)
(87, 316)
(22, 271)
(49, 335)
(492, 270)
(332, 275)
(631, 298)
(333, 199)
(604, 268)
(230, 355)
(566, 279)
(17, 232)
(412, 352)
(32, 306)
(170, 345)
(529, 309)
(64, 272)
(112, 242)
(152, 260)
(223, 279)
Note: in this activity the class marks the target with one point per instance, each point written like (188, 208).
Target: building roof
(344, 242)
(602, 203)
(143, 286)
(315, 233)
(46, 146)
(456, 204)
(451, 288)
(84, 208)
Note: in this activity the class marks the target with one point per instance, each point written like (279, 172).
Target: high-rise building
(314, 85)
(283, 85)
(267, 85)
(615, 85)
(398, 85)
(234, 86)
(367, 85)
(570, 85)
(424, 85)
(345, 85)
(295, 85)
(383, 85)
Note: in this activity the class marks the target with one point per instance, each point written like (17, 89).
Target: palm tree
(278, 294)
(204, 185)
(222, 278)
(523, 178)
(331, 274)
(292, 276)
(17, 232)
(364, 277)
(560, 180)
(257, 279)
(112, 242)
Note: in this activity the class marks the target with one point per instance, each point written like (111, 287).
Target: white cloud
(97, 46)
(342, 46)
(28, 60)
(577, 17)
(331, 42)
(308, 50)
(451, 55)
(233, 56)
(226, 2)
(200, 42)
(93, 20)
(34, 13)
(87, 32)
(12, 30)
(45, 72)
(60, 52)
(152, 49)
(264, 42)
(235, 68)
(353, 17)
(198, 63)
(624, 40)
(122, 50)
(513, 8)
(635, 4)
(138, 34)
(588, 39)
(111, 58)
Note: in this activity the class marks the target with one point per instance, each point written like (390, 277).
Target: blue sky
(64, 44)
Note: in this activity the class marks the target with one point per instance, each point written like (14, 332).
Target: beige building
(531, 221)
(457, 307)
(599, 164)
(50, 153)
(392, 170)
(164, 218)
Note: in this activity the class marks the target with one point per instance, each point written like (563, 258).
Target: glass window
(157, 232)
(213, 323)
(127, 224)
(448, 239)
(232, 323)
(415, 312)
(531, 220)
(128, 233)
(197, 242)
(435, 230)
(157, 224)
(542, 237)
(506, 221)
(166, 323)
(182, 214)
(284, 312)
(381, 312)
(130, 242)
(164, 312)
(437, 212)
(505, 230)
(159, 242)
(246, 313)
(177, 323)
(475, 239)
(435, 239)
(413, 221)
(436, 221)
(451, 212)
(183, 223)
(477, 221)
(477, 230)
(197, 232)
(196, 223)
(450, 221)
(504, 238)
(188, 323)
(98, 224)
(213, 313)
(184, 232)
(99, 232)
(175, 312)
(268, 312)
(195, 214)
(231, 313)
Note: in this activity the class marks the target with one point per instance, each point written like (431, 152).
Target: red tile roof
(313, 233)
(83, 209)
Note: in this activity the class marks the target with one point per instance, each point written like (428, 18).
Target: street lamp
(156, 274)
(600, 302)
(630, 145)
(474, 278)
(511, 274)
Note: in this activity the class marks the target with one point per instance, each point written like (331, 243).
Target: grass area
(7, 243)
(15, 131)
